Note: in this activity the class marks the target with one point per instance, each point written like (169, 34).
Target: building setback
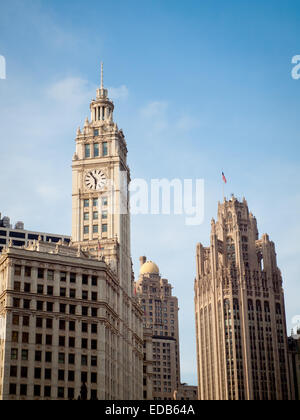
(240, 312)
(18, 236)
(161, 317)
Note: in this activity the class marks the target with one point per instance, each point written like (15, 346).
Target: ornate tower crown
(102, 108)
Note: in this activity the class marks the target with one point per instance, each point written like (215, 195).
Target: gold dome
(149, 268)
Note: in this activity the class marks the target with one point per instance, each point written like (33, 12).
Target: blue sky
(199, 87)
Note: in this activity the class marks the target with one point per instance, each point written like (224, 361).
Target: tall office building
(69, 323)
(18, 236)
(240, 312)
(294, 364)
(160, 315)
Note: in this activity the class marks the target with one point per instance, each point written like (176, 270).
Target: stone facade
(70, 325)
(148, 365)
(161, 316)
(240, 312)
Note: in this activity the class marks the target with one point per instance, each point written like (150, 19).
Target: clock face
(95, 180)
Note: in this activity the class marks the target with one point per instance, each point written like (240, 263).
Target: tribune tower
(100, 203)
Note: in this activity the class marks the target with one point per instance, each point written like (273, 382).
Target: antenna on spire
(102, 87)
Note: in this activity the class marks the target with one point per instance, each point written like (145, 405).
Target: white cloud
(121, 92)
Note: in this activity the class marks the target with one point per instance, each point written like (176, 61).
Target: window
(27, 287)
(62, 324)
(104, 215)
(49, 323)
(24, 372)
(50, 275)
(49, 340)
(40, 273)
(86, 230)
(40, 289)
(94, 280)
(85, 279)
(16, 303)
(26, 304)
(37, 390)
(37, 373)
(72, 342)
(61, 341)
(38, 356)
(71, 376)
(83, 360)
(87, 151)
(38, 339)
(49, 306)
(85, 310)
(95, 202)
(71, 359)
(94, 312)
(84, 327)
(94, 328)
(16, 319)
(96, 149)
(47, 391)
(63, 276)
(24, 355)
(72, 277)
(72, 293)
(104, 201)
(94, 344)
(39, 305)
(104, 149)
(27, 271)
(23, 390)
(71, 393)
(63, 292)
(86, 216)
(84, 343)
(14, 354)
(93, 377)
(72, 326)
(96, 132)
(61, 358)
(86, 203)
(95, 229)
(85, 294)
(61, 375)
(72, 309)
(94, 296)
(94, 361)
(104, 228)
(12, 389)
(18, 270)
(17, 286)
(48, 374)
(48, 357)
(25, 338)
(13, 371)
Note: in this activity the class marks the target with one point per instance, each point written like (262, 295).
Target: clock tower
(100, 202)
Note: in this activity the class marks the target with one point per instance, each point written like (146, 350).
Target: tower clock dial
(95, 180)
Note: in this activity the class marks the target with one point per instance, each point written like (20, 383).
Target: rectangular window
(17, 270)
(38, 356)
(95, 215)
(15, 337)
(37, 390)
(86, 230)
(86, 203)
(14, 354)
(40, 289)
(26, 321)
(72, 293)
(95, 202)
(86, 216)
(95, 229)
(17, 286)
(48, 357)
(27, 271)
(104, 149)
(50, 290)
(40, 273)
(72, 277)
(16, 319)
(50, 275)
(12, 389)
(63, 276)
(61, 341)
(96, 132)
(85, 279)
(61, 358)
(87, 150)
(104, 201)
(104, 215)
(94, 280)
(96, 149)
(23, 390)
(47, 391)
(104, 228)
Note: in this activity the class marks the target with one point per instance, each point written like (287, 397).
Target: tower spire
(102, 86)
